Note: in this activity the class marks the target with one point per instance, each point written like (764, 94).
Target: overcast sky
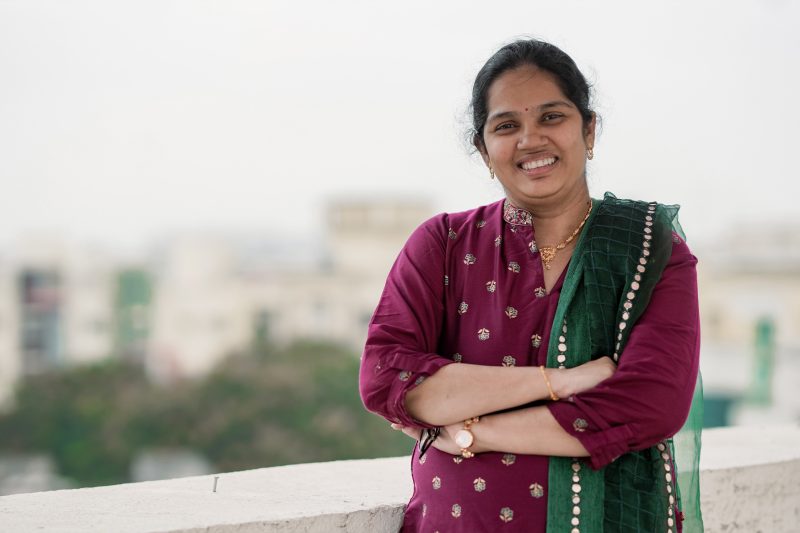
(120, 121)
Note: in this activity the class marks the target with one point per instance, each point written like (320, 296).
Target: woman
(499, 332)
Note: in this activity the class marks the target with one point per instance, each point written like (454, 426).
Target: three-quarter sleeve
(649, 396)
(405, 328)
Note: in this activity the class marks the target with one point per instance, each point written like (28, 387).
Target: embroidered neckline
(516, 216)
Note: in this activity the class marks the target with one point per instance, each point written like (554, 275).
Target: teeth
(530, 165)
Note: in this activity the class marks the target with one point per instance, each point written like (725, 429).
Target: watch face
(463, 438)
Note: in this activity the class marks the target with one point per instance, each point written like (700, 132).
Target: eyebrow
(542, 107)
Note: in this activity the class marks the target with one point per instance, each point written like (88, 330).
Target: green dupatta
(617, 262)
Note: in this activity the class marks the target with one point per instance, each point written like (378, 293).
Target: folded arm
(645, 401)
(462, 391)
(406, 382)
(402, 378)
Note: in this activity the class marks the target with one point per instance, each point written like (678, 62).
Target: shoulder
(643, 224)
(477, 217)
(445, 227)
(614, 206)
(681, 254)
(655, 217)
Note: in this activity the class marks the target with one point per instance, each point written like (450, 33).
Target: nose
(531, 136)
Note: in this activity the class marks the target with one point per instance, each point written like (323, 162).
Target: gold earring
(491, 172)
(590, 154)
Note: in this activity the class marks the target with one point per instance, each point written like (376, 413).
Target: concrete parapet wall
(750, 481)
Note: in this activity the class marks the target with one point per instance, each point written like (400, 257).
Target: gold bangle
(549, 387)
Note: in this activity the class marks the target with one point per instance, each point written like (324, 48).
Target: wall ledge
(750, 481)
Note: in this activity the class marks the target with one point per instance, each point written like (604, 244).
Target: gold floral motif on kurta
(537, 491)
(536, 340)
(508, 459)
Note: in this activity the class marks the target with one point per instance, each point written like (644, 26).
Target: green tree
(264, 408)
(78, 418)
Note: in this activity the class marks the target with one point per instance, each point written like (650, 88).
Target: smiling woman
(542, 349)
(536, 142)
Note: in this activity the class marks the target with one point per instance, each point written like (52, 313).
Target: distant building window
(40, 319)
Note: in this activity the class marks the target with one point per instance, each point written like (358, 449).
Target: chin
(536, 194)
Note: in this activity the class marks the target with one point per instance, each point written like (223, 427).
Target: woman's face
(535, 140)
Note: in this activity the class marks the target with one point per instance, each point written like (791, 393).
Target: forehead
(522, 87)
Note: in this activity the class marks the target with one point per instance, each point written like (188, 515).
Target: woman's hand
(571, 381)
(444, 442)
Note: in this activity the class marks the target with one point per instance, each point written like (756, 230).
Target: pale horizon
(121, 122)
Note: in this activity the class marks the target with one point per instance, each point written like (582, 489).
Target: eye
(504, 126)
(550, 117)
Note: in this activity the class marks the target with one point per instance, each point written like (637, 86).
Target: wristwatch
(464, 437)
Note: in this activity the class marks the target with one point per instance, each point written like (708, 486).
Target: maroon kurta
(469, 287)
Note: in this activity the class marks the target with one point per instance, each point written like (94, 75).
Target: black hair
(535, 53)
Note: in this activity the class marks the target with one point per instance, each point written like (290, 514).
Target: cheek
(575, 146)
(499, 150)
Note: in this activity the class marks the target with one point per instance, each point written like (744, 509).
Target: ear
(589, 131)
(481, 147)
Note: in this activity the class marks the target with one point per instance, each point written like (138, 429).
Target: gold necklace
(548, 253)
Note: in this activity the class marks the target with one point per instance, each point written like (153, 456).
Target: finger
(396, 426)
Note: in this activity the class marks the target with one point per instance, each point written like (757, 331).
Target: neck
(553, 224)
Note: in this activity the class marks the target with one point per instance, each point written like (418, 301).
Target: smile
(530, 165)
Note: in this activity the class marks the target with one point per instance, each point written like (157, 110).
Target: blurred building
(21, 473)
(153, 464)
(132, 307)
(210, 302)
(54, 309)
(750, 309)
(335, 299)
(201, 299)
(200, 311)
(749, 274)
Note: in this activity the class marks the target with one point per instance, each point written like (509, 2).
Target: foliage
(265, 408)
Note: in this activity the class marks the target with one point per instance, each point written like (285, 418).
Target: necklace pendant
(547, 253)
